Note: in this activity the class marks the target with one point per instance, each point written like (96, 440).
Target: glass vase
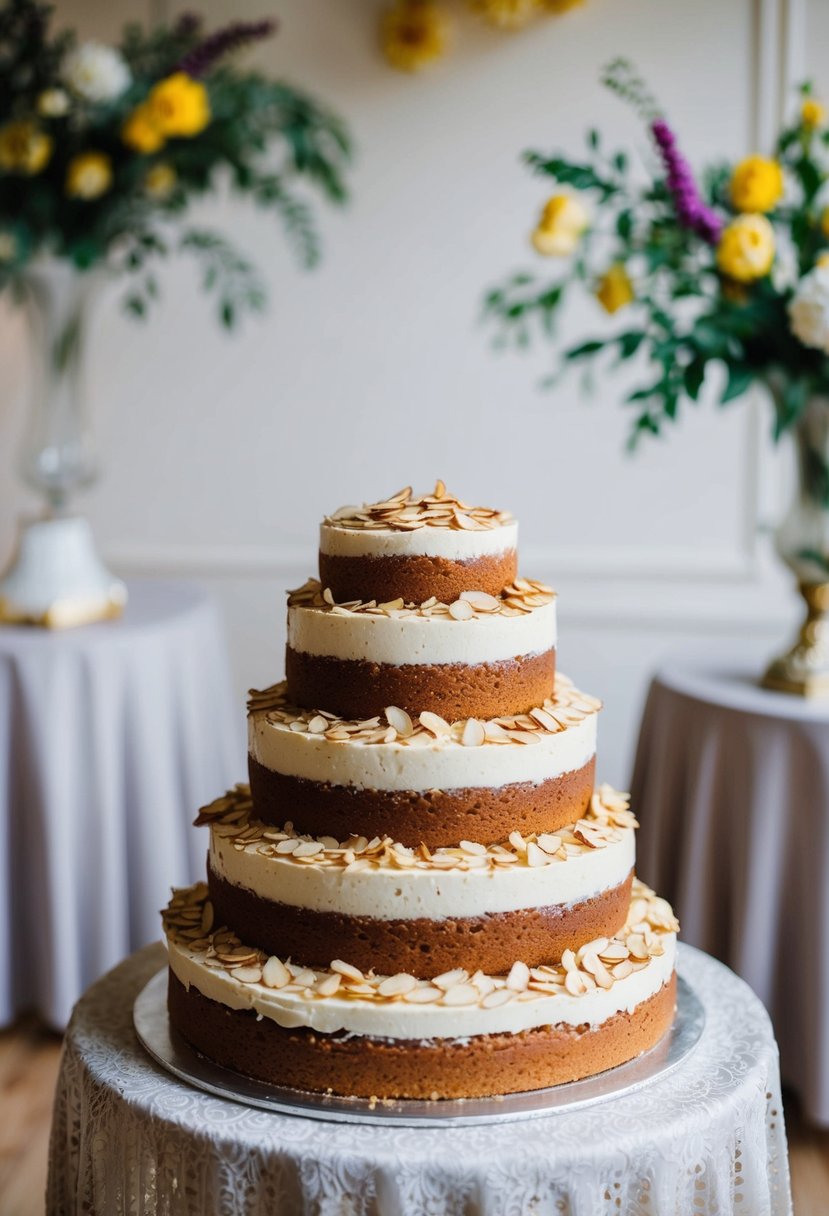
(56, 577)
(802, 542)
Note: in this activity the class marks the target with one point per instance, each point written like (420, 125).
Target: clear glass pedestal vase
(56, 577)
(802, 542)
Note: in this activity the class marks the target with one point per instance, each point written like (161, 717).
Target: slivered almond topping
(461, 994)
(435, 725)
(472, 846)
(474, 734)
(500, 996)
(460, 610)
(247, 975)
(403, 510)
(397, 985)
(423, 996)
(450, 978)
(400, 720)
(347, 971)
(328, 985)
(275, 974)
(519, 977)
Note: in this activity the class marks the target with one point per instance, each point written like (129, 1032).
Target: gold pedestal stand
(804, 669)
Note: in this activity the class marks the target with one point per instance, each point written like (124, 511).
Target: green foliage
(686, 316)
(271, 143)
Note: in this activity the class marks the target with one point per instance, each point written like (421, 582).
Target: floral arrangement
(416, 33)
(101, 146)
(731, 269)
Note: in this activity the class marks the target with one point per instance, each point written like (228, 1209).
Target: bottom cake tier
(351, 1033)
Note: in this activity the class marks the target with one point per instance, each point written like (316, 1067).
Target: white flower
(809, 309)
(53, 103)
(96, 72)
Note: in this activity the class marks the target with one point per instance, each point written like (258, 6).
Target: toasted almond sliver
(400, 720)
(461, 610)
(519, 977)
(461, 994)
(328, 985)
(499, 997)
(275, 974)
(482, 601)
(423, 996)
(247, 975)
(474, 733)
(548, 842)
(347, 971)
(436, 725)
(450, 978)
(536, 856)
(397, 985)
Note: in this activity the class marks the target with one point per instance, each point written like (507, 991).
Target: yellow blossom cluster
(24, 148)
(176, 107)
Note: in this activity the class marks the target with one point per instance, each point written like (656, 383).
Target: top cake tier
(414, 548)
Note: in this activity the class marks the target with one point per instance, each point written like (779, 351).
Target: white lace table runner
(705, 1140)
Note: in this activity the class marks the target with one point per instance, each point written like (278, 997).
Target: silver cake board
(174, 1054)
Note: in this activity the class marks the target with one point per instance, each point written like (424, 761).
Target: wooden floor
(28, 1069)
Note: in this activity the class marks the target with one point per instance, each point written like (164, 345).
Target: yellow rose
(615, 289)
(140, 132)
(562, 222)
(756, 184)
(812, 113)
(24, 148)
(179, 106)
(88, 175)
(822, 260)
(413, 33)
(746, 248)
(160, 181)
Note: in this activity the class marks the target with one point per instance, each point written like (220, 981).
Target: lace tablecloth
(706, 1139)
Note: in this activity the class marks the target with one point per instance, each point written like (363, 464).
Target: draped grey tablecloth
(731, 786)
(704, 1140)
(111, 736)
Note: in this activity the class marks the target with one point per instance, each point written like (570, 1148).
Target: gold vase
(802, 541)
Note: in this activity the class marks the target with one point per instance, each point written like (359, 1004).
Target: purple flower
(691, 211)
(202, 57)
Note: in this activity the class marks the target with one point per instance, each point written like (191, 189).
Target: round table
(111, 736)
(707, 1138)
(731, 786)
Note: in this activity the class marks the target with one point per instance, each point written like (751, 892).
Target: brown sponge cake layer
(420, 947)
(436, 1068)
(435, 818)
(455, 691)
(415, 577)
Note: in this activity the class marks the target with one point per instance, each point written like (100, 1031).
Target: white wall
(221, 454)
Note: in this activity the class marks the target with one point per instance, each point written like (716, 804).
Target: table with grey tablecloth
(111, 736)
(731, 786)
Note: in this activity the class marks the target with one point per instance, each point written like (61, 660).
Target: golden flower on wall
(179, 106)
(614, 289)
(746, 248)
(756, 184)
(413, 34)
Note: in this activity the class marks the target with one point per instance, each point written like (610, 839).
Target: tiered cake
(421, 894)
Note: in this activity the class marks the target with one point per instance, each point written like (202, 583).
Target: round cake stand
(171, 1051)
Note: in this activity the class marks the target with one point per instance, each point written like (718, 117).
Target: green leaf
(740, 378)
(630, 342)
(585, 349)
(693, 377)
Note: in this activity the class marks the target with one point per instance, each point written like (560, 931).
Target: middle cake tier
(479, 656)
(381, 906)
(422, 780)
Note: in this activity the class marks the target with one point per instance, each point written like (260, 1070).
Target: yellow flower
(746, 248)
(615, 289)
(822, 260)
(24, 148)
(53, 103)
(140, 131)
(506, 14)
(160, 181)
(756, 184)
(88, 176)
(413, 33)
(179, 106)
(562, 222)
(812, 113)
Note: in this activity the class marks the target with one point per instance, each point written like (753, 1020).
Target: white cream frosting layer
(401, 1020)
(419, 639)
(423, 763)
(392, 894)
(451, 543)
